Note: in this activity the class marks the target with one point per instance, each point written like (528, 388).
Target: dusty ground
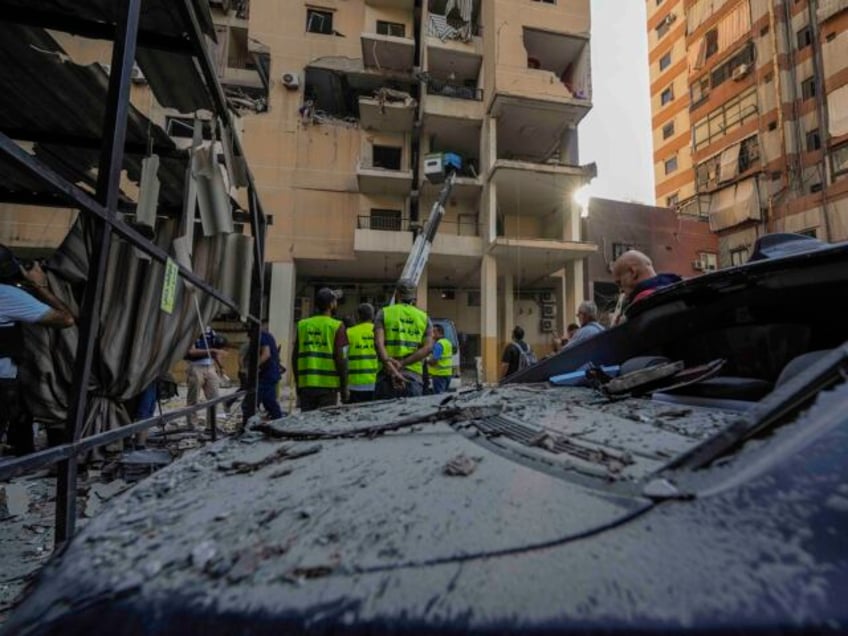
(26, 523)
(27, 503)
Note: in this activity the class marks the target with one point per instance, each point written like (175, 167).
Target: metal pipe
(821, 107)
(108, 189)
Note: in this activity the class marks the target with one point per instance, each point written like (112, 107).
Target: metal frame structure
(103, 207)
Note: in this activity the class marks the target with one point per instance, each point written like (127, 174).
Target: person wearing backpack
(517, 355)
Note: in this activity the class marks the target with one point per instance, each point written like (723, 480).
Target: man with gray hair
(587, 315)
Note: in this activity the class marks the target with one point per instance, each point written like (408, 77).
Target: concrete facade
(361, 91)
(342, 169)
(677, 244)
(753, 134)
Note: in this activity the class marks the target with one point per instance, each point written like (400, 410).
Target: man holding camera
(25, 297)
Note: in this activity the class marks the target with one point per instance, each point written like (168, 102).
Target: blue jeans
(266, 393)
(147, 402)
(440, 383)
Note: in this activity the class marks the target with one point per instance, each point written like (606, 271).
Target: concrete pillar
(568, 150)
(571, 224)
(508, 321)
(281, 299)
(561, 293)
(489, 318)
(573, 287)
(423, 291)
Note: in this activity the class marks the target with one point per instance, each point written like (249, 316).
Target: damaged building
(362, 92)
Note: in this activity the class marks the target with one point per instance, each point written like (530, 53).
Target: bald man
(634, 274)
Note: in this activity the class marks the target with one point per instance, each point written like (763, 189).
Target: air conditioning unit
(547, 325)
(671, 17)
(290, 81)
(698, 266)
(548, 298)
(741, 71)
(549, 311)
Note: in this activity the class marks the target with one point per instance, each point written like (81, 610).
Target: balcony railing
(448, 89)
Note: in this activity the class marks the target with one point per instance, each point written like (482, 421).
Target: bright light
(582, 198)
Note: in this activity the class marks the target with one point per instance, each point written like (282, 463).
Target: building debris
(14, 500)
(460, 466)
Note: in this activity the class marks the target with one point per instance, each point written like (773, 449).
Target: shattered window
(387, 157)
(319, 21)
(395, 29)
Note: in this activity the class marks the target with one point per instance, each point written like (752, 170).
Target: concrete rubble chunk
(14, 500)
(460, 466)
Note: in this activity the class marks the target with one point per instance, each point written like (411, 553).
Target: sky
(616, 134)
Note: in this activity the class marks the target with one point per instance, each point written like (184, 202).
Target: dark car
(704, 488)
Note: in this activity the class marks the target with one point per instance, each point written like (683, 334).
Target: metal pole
(257, 292)
(108, 189)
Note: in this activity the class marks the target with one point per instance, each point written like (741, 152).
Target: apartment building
(750, 116)
(341, 101)
(362, 91)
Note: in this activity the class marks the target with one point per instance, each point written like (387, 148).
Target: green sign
(169, 286)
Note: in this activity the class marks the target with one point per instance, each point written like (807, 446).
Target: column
(563, 318)
(423, 291)
(281, 299)
(508, 308)
(573, 288)
(489, 318)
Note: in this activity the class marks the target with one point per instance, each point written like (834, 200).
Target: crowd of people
(389, 353)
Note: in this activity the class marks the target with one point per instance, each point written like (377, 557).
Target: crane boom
(417, 259)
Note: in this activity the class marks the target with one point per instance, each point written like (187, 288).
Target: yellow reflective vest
(316, 365)
(362, 365)
(405, 326)
(443, 367)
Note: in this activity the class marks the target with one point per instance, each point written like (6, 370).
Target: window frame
(388, 25)
(808, 88)
(665, 61)
(668, 130)
(670, 165)
(667, 96)
(322, 13)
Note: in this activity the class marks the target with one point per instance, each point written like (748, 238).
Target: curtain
(733, 26)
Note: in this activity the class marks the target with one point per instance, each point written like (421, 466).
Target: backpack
(526, 358)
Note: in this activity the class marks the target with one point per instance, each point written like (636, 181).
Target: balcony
(386, 114)
(395, 235)
(460, 27)
(376, 180)
(531, 189)
(387, 52)
(554, 86)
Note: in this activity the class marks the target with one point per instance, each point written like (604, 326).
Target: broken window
(805, 37)
(672, 201)
(387, 157)
(749, 153)
(386, 220)
(813, 140)
(318, 21)
(566, 57)
(453, 19)
(712, 42)
(395, 29)
(671, 165)
(808, 88)
(839, 160)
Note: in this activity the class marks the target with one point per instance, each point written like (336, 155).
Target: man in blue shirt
(25, 297)
(587, 314)
(270, 372)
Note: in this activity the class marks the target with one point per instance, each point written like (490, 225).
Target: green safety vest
(362, 365)
(316, 365)
(443, 367)
(405, 327)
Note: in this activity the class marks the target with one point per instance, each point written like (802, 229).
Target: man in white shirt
(25, 297)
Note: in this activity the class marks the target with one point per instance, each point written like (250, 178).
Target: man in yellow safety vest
(362, 361)
(318, 357)
(441, 361)
(403, 336)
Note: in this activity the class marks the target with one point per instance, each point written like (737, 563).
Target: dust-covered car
(705, 490)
